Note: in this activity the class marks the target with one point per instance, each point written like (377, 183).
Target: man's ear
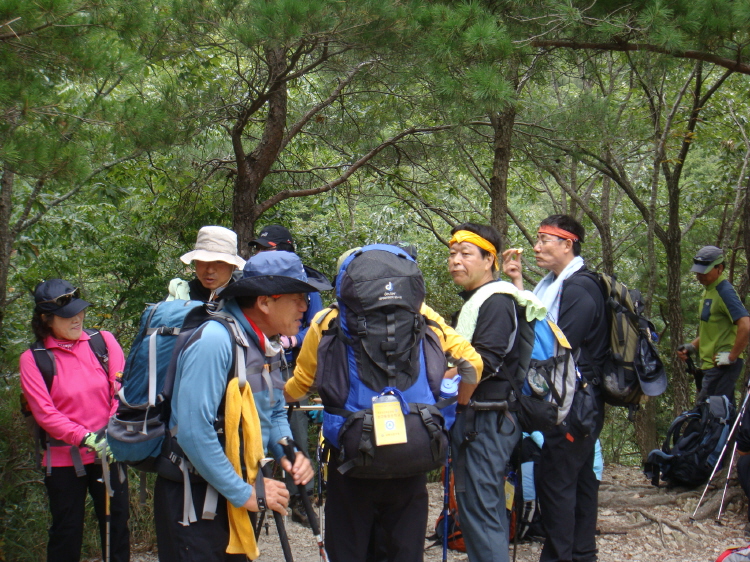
(262, 304)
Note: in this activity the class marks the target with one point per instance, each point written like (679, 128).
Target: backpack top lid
(380, 291)
(377, 276)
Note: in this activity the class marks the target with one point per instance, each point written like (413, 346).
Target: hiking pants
(205, 540)
(567, 489)
(354, 506)
(720, 381)
(743, 474)
(67, 503)
(481, 505)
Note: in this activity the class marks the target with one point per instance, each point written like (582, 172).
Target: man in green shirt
(724, 327)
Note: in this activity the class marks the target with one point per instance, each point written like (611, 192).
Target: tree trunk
(680, 384)
(253, 168)
(502, 124)
(605, 215)
(6, 239)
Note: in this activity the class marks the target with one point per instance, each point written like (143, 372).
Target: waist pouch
(425, 449)
(492, 389)
(583, 417)
(536, 414)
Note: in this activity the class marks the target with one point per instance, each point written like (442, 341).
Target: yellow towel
(240, 408)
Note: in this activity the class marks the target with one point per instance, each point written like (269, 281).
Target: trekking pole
(726, 484)
(107, 523)
(723, 450)
(288, 446)
(446, 504)
(697, 373)
(279, 520)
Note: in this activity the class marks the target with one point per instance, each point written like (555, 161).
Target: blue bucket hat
(274, 273)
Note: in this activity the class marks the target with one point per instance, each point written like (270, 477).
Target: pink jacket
(82, 397)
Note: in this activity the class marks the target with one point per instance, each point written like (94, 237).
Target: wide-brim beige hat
(215, 243)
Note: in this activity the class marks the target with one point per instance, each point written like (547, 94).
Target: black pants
(743, 473)
(398, 506)
(67, 503)
(206, 540)
(568, 491)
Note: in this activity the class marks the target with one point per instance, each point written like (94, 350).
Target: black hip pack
(425, 449)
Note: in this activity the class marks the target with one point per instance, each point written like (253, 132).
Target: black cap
(407, 247)
(58, 297)
(706, 259)
(273, 235)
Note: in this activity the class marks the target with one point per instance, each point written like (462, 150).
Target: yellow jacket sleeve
(456, 347)
(307, 360)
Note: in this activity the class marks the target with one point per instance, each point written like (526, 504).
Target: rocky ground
(638, 523)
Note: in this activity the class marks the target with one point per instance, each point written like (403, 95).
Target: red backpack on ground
(739, 554)
(455, 536)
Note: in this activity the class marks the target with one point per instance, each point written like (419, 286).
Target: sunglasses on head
(65, 299)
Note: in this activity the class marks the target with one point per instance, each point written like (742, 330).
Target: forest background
(126, 125)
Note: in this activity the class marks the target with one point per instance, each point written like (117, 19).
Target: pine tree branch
(24, 222)
(733, 65)
(288, 193)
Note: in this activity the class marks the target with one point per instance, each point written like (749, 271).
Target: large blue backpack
(693, 445)
(136, 433)
(379, 344)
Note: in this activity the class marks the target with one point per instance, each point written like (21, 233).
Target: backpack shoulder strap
(99, 347)
(45, 362)
(324, 318)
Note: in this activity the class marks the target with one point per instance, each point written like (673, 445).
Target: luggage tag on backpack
(561, 339)
(390, 426)
(510, 495)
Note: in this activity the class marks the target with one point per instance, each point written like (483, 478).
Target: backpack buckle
(176, 459)
(362, 326)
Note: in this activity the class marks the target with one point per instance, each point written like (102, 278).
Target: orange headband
(472, 238)
(557, 231)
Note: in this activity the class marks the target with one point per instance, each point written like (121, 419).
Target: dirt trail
(638, 524)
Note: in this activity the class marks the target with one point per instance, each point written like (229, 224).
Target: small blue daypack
(380, 343)
(552, 370)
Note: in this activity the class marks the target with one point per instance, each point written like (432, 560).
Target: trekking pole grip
(288, 447)
(289, 450)
(279, 520)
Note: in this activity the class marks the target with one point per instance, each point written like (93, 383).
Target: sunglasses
(65, 299)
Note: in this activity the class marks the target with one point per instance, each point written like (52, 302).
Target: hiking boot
(299, 515)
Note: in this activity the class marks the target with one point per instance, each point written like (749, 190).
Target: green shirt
(719, 309)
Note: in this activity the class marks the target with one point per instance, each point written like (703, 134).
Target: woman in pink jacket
(72, 407)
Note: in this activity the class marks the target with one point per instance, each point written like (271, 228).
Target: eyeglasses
(543, 241)
(65, 299)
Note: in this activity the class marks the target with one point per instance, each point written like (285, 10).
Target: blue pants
(720, 381)
(481, 504)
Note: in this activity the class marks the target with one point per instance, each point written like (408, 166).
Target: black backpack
(45, 362)
(693, 444)
(525, 518)
(380, 342)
